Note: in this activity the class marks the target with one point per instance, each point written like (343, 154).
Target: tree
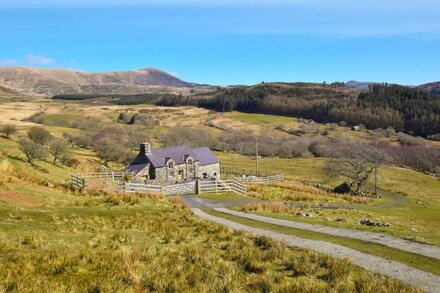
(8, 129)
(109, 151)
(356, 162)
(32, 150)
(39, 135)
(58, 148)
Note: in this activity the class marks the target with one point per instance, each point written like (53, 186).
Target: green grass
(410, 259)
(419, 193)
(221, 196)
(259, 119)
(142, 244)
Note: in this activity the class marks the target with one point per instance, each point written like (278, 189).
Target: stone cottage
(174, 164)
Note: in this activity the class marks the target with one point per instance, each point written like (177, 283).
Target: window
(170, 165)
(205, 175)
(190, 162)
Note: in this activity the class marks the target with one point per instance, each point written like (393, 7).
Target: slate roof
(157, 157)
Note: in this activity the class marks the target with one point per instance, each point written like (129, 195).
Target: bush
(39, 135)
(406, 139)
(435, 137)
(69, 161)
(108, 150)
(32, 150)
(342, 123)
(143, 119)
(8, 129)
(320, 150)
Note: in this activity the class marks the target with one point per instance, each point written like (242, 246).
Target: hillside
(403, 108)
(49, 82)
(433, 87)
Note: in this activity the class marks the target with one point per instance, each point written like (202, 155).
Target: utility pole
(375, 179)
(256, 157)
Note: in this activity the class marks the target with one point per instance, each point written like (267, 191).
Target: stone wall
(171, 176)
(211, 171)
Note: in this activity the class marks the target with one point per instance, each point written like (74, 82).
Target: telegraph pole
(256, 157)
(375, 179)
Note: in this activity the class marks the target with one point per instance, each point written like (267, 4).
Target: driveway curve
(379, 238)
(424, 280)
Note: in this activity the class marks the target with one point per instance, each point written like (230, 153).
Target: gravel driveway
(383, 239)
(424, 280)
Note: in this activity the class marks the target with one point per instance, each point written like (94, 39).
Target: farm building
(174, 164)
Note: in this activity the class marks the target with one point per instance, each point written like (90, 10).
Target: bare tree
(58, 148)
(356, 163)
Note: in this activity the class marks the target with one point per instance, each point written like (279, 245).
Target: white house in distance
(174, 164)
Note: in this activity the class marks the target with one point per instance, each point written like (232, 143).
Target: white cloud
(38, 60)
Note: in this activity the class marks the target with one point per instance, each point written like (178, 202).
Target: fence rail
(139, 188)
(267, 179)
(78, 182)
(115, 180)
(246, 172)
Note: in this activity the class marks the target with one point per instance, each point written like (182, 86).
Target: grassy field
(259, 119)
(415, 217)
(53, 239)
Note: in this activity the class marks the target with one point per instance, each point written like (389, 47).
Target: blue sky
(229, 42)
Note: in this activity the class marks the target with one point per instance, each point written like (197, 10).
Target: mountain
(359, 85)
(433, 87)
(49, 82)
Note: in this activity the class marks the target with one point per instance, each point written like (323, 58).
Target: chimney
(146, 148)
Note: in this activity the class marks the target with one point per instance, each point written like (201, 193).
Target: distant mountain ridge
(359, 85)
(432, 87)
(49, 82)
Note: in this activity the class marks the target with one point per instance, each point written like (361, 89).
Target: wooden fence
(78, 182)
(116, 181)
(237, 186)
(183, 188)
(246, 172)
(266, 179)
(139, 188)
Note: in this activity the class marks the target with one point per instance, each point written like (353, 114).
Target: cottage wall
(211, 170)
(198, 172)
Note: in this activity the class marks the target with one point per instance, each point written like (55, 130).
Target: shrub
(435, 137)
(39, 135)
(108, 150)
(320, 150)
(406, 139)
(33, 151)
(8, 129)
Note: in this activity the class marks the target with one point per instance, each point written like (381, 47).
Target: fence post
(198, 187)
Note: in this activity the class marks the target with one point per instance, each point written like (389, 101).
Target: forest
(382, 106)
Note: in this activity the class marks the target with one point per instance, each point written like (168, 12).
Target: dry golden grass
(290, 190)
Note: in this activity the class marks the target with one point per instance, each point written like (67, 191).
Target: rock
(48, 184)
(369, 222)
(342, 188)
(341, 220)
(304, 214)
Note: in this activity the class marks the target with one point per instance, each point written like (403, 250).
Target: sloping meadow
(97, 244)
